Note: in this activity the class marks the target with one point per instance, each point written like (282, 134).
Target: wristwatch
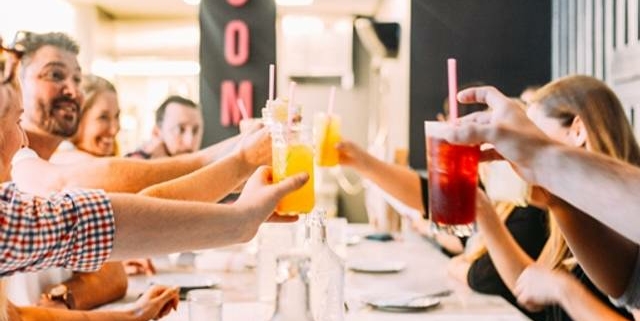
(61, 293)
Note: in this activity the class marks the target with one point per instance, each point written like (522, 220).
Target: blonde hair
(608, 132)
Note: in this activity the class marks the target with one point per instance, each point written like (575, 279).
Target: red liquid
(453, 181)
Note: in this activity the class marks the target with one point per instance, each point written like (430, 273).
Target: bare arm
(155, 303)
(580, 178)
(149, 226)
(538, 286)
(216, 180)
(509, 258)
(400, 182)
(591, 243)
(111, 173)
(97, 288)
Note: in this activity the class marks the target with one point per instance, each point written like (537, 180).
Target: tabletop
(424, 271)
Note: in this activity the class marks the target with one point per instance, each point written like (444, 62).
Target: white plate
(376, 266)
(184, 280)
(402, 302)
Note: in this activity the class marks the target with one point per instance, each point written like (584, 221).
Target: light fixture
(192, 2)
(294, 2)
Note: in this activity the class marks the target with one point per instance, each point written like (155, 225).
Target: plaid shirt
(72, 229)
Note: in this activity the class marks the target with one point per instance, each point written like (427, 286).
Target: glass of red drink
(453, 183)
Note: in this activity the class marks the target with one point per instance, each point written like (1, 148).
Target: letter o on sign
(237, 3)
(236, 43)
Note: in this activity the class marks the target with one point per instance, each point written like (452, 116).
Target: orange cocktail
(327, 135)
(293, 154)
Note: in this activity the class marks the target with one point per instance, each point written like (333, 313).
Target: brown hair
(608, 132)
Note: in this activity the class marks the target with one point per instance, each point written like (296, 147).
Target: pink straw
(243, 109)
(453, 89)
(272, 76)
(332, 99)
(291, 108)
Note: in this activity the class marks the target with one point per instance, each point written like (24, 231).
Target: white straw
(243, 109)
(272, 76)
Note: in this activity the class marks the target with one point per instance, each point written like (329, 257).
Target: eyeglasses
(10, 57)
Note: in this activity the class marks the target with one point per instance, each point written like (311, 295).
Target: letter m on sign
(229, 95)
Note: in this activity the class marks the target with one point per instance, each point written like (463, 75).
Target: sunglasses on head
(10, 56)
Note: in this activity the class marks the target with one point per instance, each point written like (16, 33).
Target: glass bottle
(292, 298)
(327, 271)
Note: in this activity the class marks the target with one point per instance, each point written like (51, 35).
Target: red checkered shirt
(71, 229)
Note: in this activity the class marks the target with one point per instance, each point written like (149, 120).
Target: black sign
(237, 44)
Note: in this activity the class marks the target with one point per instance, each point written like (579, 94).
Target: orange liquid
(327, 136)
(290, 160)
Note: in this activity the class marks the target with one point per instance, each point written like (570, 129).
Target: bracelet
(22, 154)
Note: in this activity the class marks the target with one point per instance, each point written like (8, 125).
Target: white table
(425, 272)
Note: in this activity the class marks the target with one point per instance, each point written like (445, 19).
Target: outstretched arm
(400, 182)
(216, 180)
(591, 243)
(508, 258)
(148, 226)
(111, 173)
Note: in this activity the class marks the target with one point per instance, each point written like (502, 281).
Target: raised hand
(254, 148)
(260, 195)
(351, 154)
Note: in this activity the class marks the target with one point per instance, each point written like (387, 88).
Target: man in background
(178, 130)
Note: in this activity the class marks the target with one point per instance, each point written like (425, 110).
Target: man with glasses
(178, 130)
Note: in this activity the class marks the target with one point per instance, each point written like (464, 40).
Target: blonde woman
(577, 111)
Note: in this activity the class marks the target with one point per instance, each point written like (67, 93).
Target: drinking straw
(243, 109)
(453, 89)
(272, 75)
(291, 107)
(332, 99)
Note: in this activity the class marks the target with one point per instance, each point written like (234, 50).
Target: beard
(63, 117)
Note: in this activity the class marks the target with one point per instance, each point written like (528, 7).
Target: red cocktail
(453, 183)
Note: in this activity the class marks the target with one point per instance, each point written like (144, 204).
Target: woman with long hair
(578, 111)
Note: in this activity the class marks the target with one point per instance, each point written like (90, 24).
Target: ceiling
(177, 9)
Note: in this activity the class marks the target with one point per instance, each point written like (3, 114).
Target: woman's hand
(260, 195)
(156, 303)
(538, 286)
(351, 154)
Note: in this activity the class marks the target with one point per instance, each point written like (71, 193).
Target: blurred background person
(178, 130)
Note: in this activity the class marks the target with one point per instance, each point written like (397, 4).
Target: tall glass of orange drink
(327, 135)
(292, 153)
